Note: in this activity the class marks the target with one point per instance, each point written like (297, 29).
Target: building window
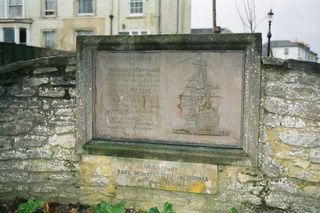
(49, 7)
(84, 32)
(8, 35)
(136, 7)
(85, 6)
(49, 39)
(15, 8)
(134, 32)
(22, 36)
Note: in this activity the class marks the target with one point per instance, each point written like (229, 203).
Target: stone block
(311, 173)
(315, 156)
(291, 186)
(65, 140)
(7, 115)
(62, 81)
(292, 91)
(278, 200)
(73, 92)
(65, 112)
(304, 138)
(299, 108)
(35, 81)
(44, 70)
(4, 188)
(64, 103)
(274, 120)
(21, 91)
(2, 91)
(61, 153)
(65, 129)
(27, 154)
(15, 128)
(71, 68)
(25, 104)
(53, 92)
(312, 190)
(5, 143)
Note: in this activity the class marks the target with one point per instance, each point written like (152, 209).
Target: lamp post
(270, 16)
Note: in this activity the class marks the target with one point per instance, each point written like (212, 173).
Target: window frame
(77, 12)
(44, 38)
(84, 29)
(55, 11)
(4, 34)
(9, 5)
(134, 14)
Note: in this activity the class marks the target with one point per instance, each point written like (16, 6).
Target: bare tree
(247, 14)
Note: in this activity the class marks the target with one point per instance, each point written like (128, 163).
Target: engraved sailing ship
(199, 105)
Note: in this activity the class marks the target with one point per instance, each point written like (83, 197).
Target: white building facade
(56, 23)
(286, 49)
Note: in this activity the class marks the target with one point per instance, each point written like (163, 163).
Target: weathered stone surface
(65, 112)
(166, 175)
(24, 154)
(65, 129)
(2, 91)
(71, 68)
(61, 81)
(63, 103)
(35, 81)
(278, 200)
(25, 104)
(65, 140)
(273, 120)
(313, 190)
(39, 165)
(299, 108)
(54, 92)
(300, 138)
(292, 91)
(315, 155)
(311, 174)
(21, 92)
(285, 185)
(42, 70)
(5, 188)
(7, 115)
(15, 128)
(5, 143)
(272, 61)
(61, 153)
(30, 141)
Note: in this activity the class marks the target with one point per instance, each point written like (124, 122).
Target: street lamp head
(270, 15)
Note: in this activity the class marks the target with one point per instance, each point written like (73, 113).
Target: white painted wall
(67, 19)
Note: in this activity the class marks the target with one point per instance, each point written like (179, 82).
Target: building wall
(38, 159)
(297, 53)
(67, 20)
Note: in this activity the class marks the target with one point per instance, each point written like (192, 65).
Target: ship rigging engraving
(199, 105)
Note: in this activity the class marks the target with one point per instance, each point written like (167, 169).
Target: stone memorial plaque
(184, 97)
(166, 175)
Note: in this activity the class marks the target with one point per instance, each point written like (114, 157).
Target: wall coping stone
(38, 62)
(306, 66)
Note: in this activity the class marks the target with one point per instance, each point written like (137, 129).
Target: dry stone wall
(38, 158)
(37, 130)
(288, 175)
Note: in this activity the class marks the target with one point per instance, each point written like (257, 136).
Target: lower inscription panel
(166, 175)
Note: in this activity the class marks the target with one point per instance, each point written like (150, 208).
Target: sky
(295, 20)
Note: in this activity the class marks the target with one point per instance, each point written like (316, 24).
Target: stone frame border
(249, 43)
